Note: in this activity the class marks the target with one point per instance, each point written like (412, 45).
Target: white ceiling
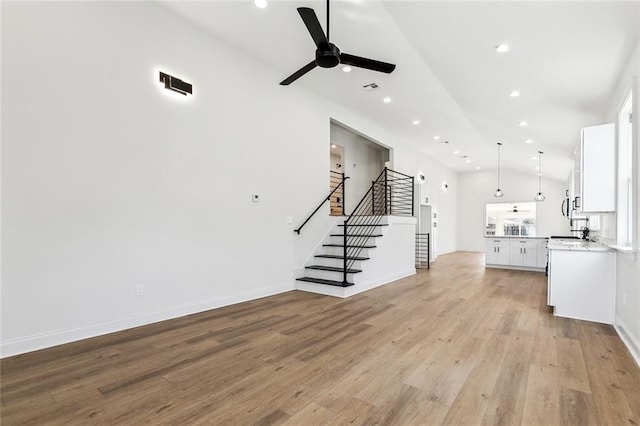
(564, 59)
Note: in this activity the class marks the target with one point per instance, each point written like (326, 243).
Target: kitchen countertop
(577, 245)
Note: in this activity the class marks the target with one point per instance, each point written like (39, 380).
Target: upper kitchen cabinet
(596, 158)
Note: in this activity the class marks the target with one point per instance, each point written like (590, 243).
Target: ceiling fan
(327, 54)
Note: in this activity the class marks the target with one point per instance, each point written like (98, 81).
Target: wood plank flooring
(454, 345)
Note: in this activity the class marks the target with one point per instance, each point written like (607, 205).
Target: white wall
(476, 190)
(628, 266)
(109, 181)
(367, 157)
(444, 202)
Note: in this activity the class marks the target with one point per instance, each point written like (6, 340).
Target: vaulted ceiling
(564, 60)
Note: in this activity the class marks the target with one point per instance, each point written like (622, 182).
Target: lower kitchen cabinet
(516, 253)
(581, 284)
(497, 251)
(523, 253)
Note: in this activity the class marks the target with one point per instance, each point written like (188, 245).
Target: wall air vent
(370, 86)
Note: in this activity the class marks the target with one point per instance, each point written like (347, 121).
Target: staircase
(327, 266)
(346, 250)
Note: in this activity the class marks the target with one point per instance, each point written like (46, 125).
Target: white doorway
(336, 175)
(427, 224)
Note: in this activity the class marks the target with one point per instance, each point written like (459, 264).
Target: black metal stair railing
(335, 197)
(392, 193)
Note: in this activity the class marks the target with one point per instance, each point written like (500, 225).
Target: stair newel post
(413, 194)
(344, 190)
(344, 260)
(386, 188)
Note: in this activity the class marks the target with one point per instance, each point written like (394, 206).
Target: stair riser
(339, 251)
(336, 263)
(360, 240)
(327, 275)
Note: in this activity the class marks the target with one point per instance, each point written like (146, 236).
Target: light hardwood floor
(454, 345)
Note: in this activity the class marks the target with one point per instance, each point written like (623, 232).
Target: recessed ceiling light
(477, 167)
(333, 145)
(523, 124)
(528, 141)
(456, 152)
(260, 3)
(436, 138)
(514, 93)
(534, 158)
(537, 167)
(416, 122)
(502, 48)
(468, 160)
(346, 69)
(386, 100)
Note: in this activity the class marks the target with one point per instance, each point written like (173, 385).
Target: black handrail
(388, 194)
(328, 197)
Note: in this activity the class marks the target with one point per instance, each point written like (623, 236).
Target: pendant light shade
(498, 192)
(539, 196)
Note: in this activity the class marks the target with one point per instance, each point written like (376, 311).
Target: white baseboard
(59, 337)
(360, 288)
(344, 292)
(631, 342)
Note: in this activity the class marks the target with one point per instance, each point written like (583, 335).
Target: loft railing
(335, 197)
(392, 193)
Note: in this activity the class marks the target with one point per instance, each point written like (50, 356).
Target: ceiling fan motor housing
(328, 57)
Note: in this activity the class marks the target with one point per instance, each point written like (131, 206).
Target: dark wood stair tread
(334, 256)
(378, 224)
(356, 235)
(348, 246)
(327, 282)
(332, 268)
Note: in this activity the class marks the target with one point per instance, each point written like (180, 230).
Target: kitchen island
(581, 281)
(516, 252)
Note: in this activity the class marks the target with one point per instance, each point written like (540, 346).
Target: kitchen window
(625, 226)
(511, 219)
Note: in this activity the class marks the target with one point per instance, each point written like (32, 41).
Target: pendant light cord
(499, 145)
(540, 172)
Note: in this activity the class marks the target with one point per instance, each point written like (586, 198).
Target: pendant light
(498, 192)
(539, 196)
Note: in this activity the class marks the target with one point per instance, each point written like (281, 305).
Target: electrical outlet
(255, 198)
(139, 290)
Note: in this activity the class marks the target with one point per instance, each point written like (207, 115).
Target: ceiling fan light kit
(327, 54)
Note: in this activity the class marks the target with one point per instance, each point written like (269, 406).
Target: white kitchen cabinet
(497, 251)
(523, 253)
(581, 284)
(596, 172)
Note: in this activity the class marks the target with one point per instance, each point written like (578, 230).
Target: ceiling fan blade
(310, 19)
(296, 75)
(369, 64)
